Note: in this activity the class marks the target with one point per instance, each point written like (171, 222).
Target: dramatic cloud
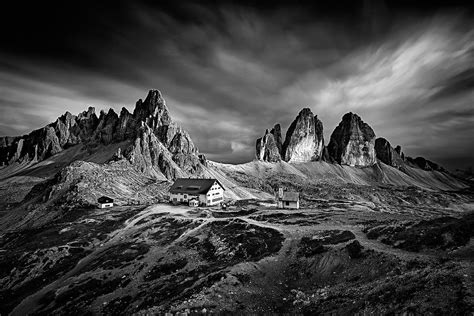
(229, 72)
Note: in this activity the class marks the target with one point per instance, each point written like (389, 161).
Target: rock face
(268, 147)
(387, 154)
(303, 142)
(304, 139)
(158, 143)
(352, 142)
(276, 132)
(424, 164)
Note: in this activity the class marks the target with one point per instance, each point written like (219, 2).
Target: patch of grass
(117, 256)
(166, 268)
(170, 229)
(439, 233)
(308, 247)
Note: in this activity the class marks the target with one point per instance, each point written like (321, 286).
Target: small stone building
(288, 199)
(104, 202)
(207, 192)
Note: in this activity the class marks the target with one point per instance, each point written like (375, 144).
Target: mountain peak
(303, 142)
(169, 141)
(153, 110)
(352, 142)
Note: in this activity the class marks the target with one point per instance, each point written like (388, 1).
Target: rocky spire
(153, 111)
(352, 142)
(267, 148)
(175, 149)
(304, 139)
(276, 132)
(387, 154)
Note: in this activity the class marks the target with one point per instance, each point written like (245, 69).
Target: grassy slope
(322, 172)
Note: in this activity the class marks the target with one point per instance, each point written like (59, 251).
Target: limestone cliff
(158, 143)
(304, 138)
(387, 154)
(267, 148)
(352, 142)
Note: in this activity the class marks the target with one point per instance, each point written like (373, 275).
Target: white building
(104, 202)
(194, 203)
(207, 192)
(287, 199)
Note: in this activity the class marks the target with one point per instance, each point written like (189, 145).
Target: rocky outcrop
(352, 142)
(105, 132)
(158, 143)
(424, 164)
(304, 139)
(66, 131)
(276, 132)
(395, 157)
(267, 147)
(398, 150)
(385, 153)
(149, 155)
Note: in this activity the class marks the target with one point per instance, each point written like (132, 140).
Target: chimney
(280, 192)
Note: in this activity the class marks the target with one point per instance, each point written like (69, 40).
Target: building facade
(208, 192)
(287, 199)
(104, 202)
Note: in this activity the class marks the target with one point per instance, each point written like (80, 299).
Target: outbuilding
(193, 203)
(104, 202)
(288, 199)
(207, 192)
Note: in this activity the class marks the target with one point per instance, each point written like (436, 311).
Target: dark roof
(291, 196)
(105, 199)
(193, 186)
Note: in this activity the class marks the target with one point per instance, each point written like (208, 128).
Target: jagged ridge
(158, 145)
(353, 142)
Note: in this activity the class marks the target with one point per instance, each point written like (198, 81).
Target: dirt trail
(291, 232)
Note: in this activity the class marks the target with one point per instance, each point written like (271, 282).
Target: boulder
(352, 142)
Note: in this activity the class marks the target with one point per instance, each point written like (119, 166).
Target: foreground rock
(352, 142)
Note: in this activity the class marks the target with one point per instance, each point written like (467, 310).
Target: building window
(185, 196)
(287, 203)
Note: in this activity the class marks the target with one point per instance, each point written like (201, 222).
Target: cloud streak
(229, 72)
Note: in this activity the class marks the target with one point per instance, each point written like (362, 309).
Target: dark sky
(230, 70)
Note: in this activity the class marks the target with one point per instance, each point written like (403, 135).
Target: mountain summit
(154, 143)
(303, 142)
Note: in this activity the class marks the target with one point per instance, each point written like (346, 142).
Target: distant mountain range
(157, 145)
(133, 157)
(160, 147)
(352, 143)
